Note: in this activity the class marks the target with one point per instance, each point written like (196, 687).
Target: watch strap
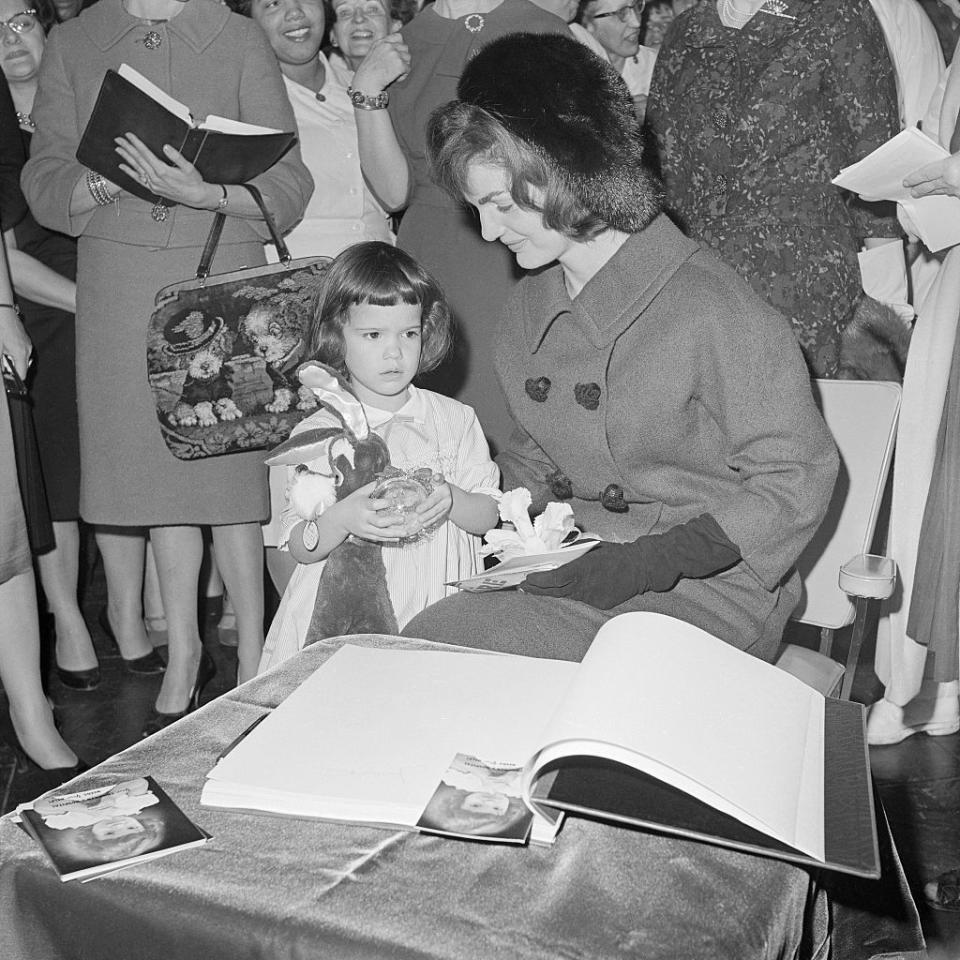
(362, 101)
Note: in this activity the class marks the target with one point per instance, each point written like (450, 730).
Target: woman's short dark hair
(46, 13)
(384, 276)
(460, 135)
(581, 13)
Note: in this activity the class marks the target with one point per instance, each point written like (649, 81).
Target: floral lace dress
(751, 125)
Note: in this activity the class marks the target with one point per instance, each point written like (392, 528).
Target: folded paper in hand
(524, 546)
(880, 175)
(522, 537)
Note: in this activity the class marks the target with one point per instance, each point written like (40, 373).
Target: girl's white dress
(432, 431)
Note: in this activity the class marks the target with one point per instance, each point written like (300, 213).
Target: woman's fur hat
(575, 110)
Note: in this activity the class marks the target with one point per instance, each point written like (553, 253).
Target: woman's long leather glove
(612, 573)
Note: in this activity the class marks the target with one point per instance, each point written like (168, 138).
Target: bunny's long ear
(303, 447)
(334, 392)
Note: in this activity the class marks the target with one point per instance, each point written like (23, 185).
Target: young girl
(380, 321)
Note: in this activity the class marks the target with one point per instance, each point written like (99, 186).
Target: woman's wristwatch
(362, 101)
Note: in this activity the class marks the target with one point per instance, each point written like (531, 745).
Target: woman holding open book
(217, 63)
(651, 387)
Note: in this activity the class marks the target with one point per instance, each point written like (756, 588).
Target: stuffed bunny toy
(352, 597)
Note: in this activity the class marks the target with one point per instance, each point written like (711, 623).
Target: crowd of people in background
(623, 205)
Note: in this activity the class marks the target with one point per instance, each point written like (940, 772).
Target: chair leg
(826, 641)
(856, 642)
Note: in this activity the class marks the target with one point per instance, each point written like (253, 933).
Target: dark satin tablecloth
(268, 887)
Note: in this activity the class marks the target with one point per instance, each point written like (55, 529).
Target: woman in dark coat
(653, 389)
(30, 713)
(43, 264)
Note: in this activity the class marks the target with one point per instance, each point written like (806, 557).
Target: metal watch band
(362, 101)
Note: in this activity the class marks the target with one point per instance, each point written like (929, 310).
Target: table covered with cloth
(273, 887)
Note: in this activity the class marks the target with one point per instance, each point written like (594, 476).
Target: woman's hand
(605, 577)
(14, 341)
(173, 179)
(359, 514)
(387, 60)
(939, 177)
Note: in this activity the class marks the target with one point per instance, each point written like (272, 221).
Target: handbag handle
(213, 238)
(12, 382)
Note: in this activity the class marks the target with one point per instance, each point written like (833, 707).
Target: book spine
(193, 142)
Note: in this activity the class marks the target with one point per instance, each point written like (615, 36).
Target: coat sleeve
(524, 464)
(52, 172)
(776, 442)
(287, 185)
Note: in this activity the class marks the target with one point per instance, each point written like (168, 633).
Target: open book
(661, 726)
(880, 175)
(93, 832)
(223, 150)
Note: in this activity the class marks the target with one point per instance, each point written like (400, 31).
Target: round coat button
(537, 388)
(587, 395)
(560, 485)
(612, 499)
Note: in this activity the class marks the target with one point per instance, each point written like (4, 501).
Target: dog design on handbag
(202, 345)
(206, 397)
(277, 338)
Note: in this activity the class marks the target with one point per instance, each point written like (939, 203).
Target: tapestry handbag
(223, 350)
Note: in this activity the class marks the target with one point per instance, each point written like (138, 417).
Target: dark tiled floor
(919, 779)
(104, 721)
(919, 783)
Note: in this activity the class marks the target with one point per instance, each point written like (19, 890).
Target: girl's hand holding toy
(436, 508)
(362, 516)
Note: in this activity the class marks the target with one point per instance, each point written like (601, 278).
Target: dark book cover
(122, 107)
(601, 789)
(96, 831)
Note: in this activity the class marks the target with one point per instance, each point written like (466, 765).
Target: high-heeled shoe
(157, 720)
(150, 664)
(79, 679)
(74, 679)
(43, 778)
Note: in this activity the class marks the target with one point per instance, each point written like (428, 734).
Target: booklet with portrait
(661, 726)
(223, 150)
(92, 832)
